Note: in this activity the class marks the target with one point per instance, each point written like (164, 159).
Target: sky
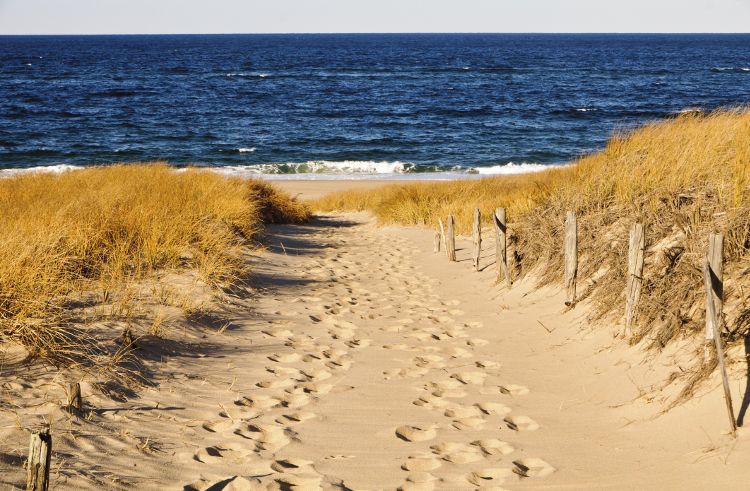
(349, 16)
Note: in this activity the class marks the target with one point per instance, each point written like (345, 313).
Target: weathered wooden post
(716, 268)
(635, 272)
(477, 237)
(437, 242)
(501, 244)
(442, 232)
(37, 467)
(571, 256)
(75, 401)
(713, 321)
(450, 240)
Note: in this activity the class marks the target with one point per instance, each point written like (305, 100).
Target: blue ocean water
(364, 105)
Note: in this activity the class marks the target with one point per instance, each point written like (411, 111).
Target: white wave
(243, 150)
(320, 167)
(585, 109)
(261, 75)
(510, 168)
(55, 169)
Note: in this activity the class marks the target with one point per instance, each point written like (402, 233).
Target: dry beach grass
(102, 229)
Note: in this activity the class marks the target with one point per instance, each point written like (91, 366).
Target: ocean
(377, 106)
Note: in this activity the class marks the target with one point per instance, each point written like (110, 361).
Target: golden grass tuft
(102, 227)
(684, 177)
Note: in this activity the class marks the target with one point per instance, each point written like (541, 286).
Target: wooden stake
(713, 321)
(635, 272)
(37, 467)
(716, 268)
(477, 237)
(571, 256)
(442, 232)
(501, 251)
(75, 401)
(437, 242)
(450, 240)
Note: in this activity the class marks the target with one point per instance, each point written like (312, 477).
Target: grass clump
(99, 228)
(684, 177)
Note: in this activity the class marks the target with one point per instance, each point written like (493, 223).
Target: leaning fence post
(713, 322)
(571, 256)
(442, 233)
(450, 240)
(37, 467)
(477, 237)
(501, 244)
(716, 268)
(635, 272)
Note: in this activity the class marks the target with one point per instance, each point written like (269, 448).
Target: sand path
(367, 362)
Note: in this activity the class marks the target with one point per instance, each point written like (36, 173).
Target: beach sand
(319, 188)
(362, 360)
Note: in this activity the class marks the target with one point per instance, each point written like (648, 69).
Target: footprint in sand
(493, 408)
(235, 483)
(469, 378)
(449, 393)
(298, 482)
(294, 401)
(265, 437)
(477, 343)
(521, 423)
(219, 426)
(421, 463)
(295, 418)
(399, 373)
(429, 361)
(293, 466)
(514, 390)
(257, 402)
(419, 481)
(415, 434)
(225, 453)
(285, 357)
(315, 375)
(494, 446)
(278, 333)
(460, 412)
(275, 384)
(456, 352)
(358, 343)
(532, 467)
(487, 364)
(490, 476)
(467, 424)
(431, 401)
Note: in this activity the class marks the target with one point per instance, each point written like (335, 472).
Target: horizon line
(366, 33)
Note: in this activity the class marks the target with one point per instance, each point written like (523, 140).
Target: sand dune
(369, 363)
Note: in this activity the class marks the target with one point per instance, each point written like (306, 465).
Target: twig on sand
(540, 323)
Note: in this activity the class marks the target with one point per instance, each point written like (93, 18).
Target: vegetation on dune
(684, 177)
(100, 228)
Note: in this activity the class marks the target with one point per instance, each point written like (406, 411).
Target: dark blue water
(339, 103)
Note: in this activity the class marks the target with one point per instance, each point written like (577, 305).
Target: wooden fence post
(571, 256)
(75, 401)
(477, 237)
(713, 321)
(716, 268)
(501, 244)
(37, 467)
(438, 237)
(635, 272)
(450, 240)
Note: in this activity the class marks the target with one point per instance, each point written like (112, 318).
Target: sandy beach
(318, 188)
(361, 360)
